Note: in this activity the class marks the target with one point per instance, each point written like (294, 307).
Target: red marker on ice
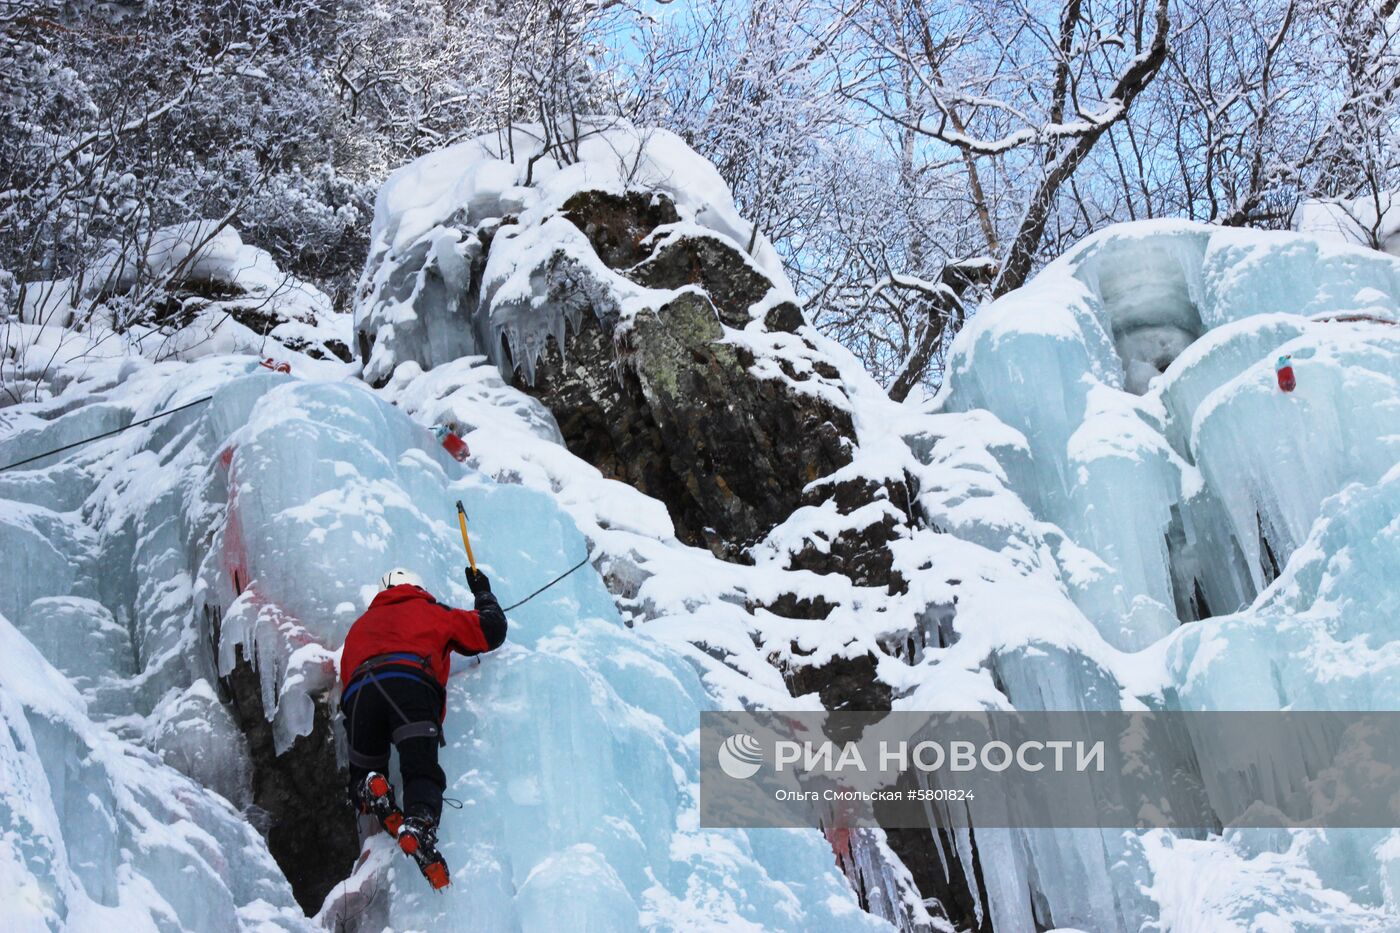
(1284, 370)
(451, 443)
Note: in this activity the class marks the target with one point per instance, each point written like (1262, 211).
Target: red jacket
(405, 619)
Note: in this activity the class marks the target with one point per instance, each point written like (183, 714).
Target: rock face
(670, 360)
(860, 550)
(673, 356)
(670, 408)
(663, 401)
(310, 828)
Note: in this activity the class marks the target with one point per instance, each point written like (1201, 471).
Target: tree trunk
(1020, 258)
(957, 278)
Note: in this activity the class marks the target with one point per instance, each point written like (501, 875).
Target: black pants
(372, 722)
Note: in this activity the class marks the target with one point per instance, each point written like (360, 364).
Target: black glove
(478, 582)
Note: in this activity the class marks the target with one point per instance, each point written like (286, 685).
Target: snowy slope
(574, 748)
(1092, 533)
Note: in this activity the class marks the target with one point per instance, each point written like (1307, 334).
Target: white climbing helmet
(399, 576)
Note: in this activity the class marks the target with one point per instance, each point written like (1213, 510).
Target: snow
(228, 298)
(99, 835)
(197, 251)
(481, 175)
(1208, 525)
(541, 274)
(1116, 509)
(1366, 221)
(1205, 886)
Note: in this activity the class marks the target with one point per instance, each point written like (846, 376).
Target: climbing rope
(467, 544)
(547, 585)
(461, 513)
(97, 437)
(341, 925)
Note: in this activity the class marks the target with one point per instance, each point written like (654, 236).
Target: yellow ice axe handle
(466, 541)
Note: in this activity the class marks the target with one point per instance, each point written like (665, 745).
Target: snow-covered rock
(1372, 220)
(1110, 505)
(622, 290)
(434, 219)
(187, 291)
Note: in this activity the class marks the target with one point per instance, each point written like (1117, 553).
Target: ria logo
(740, 756)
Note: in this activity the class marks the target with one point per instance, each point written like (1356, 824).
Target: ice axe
(466, 540)
(467, 543)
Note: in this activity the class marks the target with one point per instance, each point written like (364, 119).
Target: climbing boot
(418, 839)
(375, 795)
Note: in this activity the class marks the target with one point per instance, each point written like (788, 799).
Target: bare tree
(746, 86)
(417, 75)
(1281, 101)
(104, 142)
(1018, 99)
(908, 158)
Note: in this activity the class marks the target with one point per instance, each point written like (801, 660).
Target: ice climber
(394, 670)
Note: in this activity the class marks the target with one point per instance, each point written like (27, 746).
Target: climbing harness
(373, 671)
(98, 437)
(370, 670)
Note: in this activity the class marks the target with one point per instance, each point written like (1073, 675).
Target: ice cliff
(1189, 514)
(1109, 505)
(216, 559)
(1086, 517)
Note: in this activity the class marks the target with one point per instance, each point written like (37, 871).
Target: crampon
(418, 839)
(376, 795)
